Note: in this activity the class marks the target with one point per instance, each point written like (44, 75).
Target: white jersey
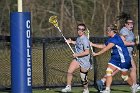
(83, 43)
(129, 36)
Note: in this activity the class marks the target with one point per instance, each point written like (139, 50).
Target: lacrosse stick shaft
(65, 40)
(92, 49)
(89, 40)
(53, 20)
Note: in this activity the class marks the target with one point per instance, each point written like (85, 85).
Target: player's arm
(70, 41)
(85, 52)
(126, 42)
(97, 45)
(109, 46)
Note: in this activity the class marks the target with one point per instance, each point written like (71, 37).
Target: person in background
(128, 37)
(81, 59)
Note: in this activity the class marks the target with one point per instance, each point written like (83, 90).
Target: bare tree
(94, 12)
(62, 14)
(105, 7)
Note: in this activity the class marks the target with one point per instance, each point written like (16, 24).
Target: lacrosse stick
(87, 34)
(53, 20)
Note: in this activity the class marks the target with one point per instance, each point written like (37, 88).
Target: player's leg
(129, 80)
(126, 77)
(72, 67)
(133, 72)
(110, 69)
(84, 79)
(133, 75)
(101, 83)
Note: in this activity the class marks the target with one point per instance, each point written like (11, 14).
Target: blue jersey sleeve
(111, 40)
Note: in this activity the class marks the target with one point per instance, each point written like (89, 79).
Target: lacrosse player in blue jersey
(120, 59)
(127, 36)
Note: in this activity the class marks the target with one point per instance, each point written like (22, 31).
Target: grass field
(115, 89)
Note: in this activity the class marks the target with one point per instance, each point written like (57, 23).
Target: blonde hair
(113, 27)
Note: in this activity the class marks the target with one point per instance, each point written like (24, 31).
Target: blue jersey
(119, 53)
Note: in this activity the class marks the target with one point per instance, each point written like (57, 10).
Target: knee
(84, 79)
(109, 72)
(125, 77)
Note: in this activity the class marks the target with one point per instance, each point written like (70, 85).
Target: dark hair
(126, 21)
(123, 18)
(82, 25)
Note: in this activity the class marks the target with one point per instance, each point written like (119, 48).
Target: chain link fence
(50, 61)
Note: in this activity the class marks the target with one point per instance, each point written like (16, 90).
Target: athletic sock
(107, 88)
(69, 86)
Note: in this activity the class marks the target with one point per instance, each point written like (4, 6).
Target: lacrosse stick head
(53, 20)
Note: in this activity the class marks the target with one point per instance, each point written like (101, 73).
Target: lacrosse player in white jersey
(81, 59)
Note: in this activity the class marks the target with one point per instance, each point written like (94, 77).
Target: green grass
(114, 89)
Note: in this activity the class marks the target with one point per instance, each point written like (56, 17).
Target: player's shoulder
(124, 30)
(114, 39)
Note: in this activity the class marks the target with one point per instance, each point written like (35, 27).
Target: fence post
(139, 34)
(44, 61)
(95, 69)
